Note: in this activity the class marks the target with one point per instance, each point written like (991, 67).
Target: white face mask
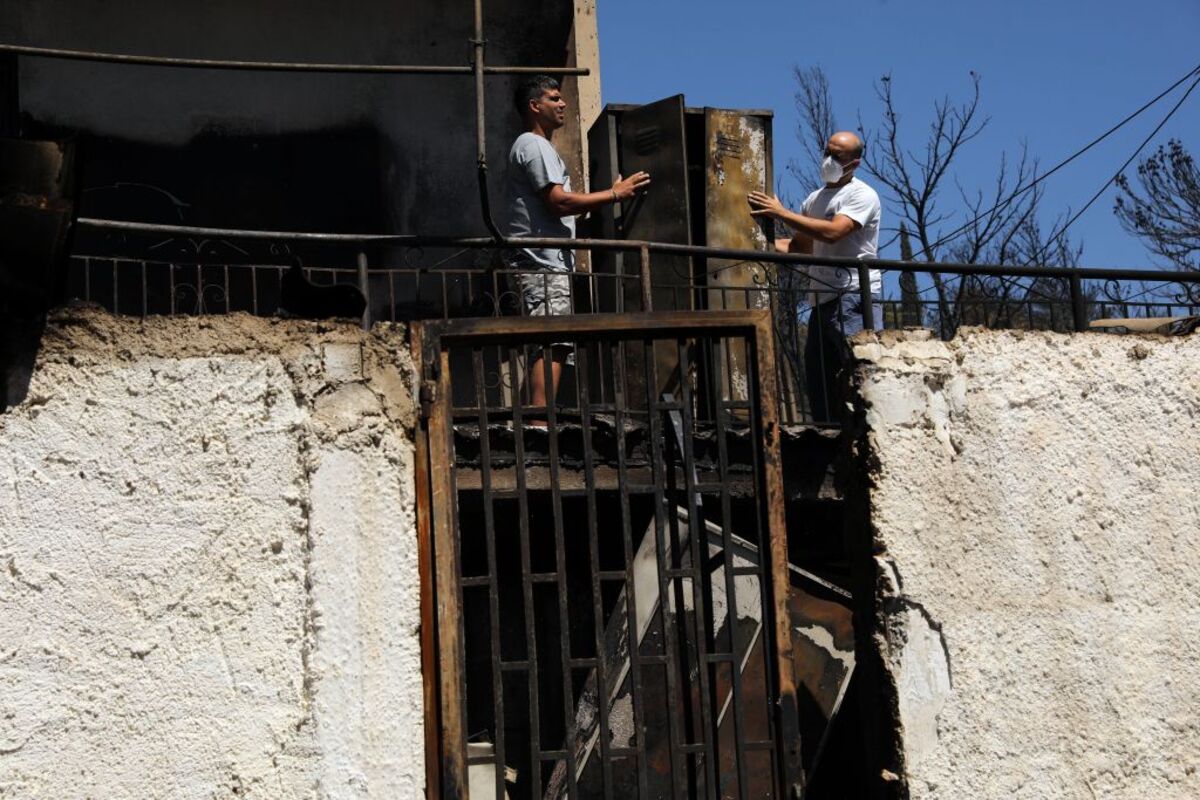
(831, 170)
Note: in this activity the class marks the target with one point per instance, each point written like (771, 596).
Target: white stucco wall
(1036, 512)
(208, 576)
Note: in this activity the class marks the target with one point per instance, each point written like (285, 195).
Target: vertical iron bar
(115, 292)
(620, 362)
(225, 277)
(597, 596)
(820, 310)
(254, 290)
(659, 469)
(364, 286)
(677, 542)
(644, 267)
(485, 482)
(1078, 303)
(564, 622)
(535, 721)
(391, 276)
(701, 610)
(864, 289)
(739, 721)
(496, 299)
(145, 300)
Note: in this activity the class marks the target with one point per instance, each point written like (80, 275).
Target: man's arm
(828, 231)
(797, 244)
(562, 203)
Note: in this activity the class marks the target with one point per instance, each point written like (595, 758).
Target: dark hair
(532, 88)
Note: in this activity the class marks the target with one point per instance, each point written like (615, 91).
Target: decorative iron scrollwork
(202, 294)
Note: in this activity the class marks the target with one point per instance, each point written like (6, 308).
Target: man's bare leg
(537, 382)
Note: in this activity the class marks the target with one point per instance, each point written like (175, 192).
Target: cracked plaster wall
(208, 575)
(1037, 536)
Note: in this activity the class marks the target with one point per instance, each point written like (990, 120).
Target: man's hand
(807, 229)
(765, 205)
(562, 203)
(626, 188)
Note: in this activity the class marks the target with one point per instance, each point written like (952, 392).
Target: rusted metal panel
(791, 765)
(737, 148)
(452, 704)
(425, 566)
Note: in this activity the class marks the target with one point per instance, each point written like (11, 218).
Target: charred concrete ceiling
(335, 152)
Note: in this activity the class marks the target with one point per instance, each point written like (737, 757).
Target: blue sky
(1056, 73)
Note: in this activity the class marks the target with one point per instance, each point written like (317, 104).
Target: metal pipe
(485, 202)
(644, 265)
(364, 286)
(1078, 303)
(864, 290)
(630, 245)
(280, 66)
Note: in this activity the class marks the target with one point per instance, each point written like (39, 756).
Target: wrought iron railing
(435, 283)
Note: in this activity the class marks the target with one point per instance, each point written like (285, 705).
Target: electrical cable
(1060, 165)
(1041, 253)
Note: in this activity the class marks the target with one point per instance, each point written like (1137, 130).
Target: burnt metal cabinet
(702, 163)
(36, 211)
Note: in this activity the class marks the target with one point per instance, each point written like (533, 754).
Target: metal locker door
(652, 140)
(737, 149)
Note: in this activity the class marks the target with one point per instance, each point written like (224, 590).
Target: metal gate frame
(442, 657)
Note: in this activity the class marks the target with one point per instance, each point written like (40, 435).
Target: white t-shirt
(860, 203)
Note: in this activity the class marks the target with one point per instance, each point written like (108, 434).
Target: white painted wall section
(1037, 517)
(208, 576)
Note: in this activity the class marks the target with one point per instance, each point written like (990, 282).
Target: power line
(1041, 254)
(1061, 164)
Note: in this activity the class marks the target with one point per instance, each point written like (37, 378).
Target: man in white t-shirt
(540, 204)
(839, 219)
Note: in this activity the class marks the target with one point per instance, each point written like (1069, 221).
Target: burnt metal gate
(601, 576)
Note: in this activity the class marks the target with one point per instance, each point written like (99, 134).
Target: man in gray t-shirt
(540, 204)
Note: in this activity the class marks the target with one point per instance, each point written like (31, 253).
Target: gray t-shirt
(860, 203)
(534, 164)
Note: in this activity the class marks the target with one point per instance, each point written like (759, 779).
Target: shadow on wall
(37, 190)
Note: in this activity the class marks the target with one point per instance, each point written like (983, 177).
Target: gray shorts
(544, 292)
